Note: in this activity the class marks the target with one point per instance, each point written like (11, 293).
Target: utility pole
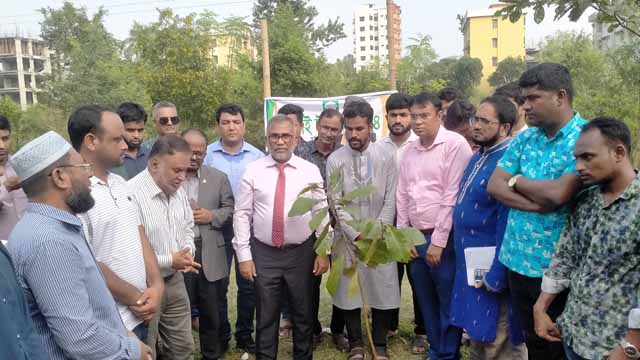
(391, 43)
(266, 70)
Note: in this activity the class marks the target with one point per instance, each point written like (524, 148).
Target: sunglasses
(164, 120)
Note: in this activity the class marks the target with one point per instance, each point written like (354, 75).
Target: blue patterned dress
(478, 221)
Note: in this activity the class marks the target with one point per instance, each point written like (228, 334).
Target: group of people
(118, 247)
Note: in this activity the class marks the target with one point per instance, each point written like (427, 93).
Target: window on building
(363, 48)
(494, 61)
(361, 18)
(361, 28)
(370, 27)
(494, 42)
(494, 23)
(370, 17)
(376, 38)
(371, 47)
(363, 58)
(371, 37)
(376, 48)
(215, 59)
(362, 38)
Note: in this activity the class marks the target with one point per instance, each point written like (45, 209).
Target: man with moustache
(74, 314)
(281, 254)
(165, 120)
(167, 218)
(598, 253)
(363, 163)
(430, 174)
(317, 151)
(136, 156)
(537, 179)
(13, 200)
(485, 311)
(112, 227)
(231, 154)
(211, 200)
(400, 136)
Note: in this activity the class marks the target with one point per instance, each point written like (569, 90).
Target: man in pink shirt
(430, 173)
(279, 253)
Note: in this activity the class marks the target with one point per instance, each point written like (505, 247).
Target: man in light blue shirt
(536, 178)
(231, 155)
(73, 311)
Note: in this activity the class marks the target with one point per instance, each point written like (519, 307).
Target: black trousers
(291, 268)
(524, 291)
(418, 320)
(204, 295)
(380, 324)
(317, 327)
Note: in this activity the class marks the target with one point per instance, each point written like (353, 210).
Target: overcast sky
(418, 17)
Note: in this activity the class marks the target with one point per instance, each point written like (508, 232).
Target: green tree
(174, 61)
(88, 67)
(10, 110)
(465, 75)
(304, 15)
(416, 71)
(620, 13)
(507, 71)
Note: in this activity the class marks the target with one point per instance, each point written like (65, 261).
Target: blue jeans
(141, 331)
(433, 291)
(246, 304)
(570, 354)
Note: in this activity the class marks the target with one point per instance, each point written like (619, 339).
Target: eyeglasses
(274, 138)
(164, 120)
(482, 121)
(88, 168)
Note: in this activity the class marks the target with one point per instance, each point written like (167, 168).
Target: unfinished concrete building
(23, 66)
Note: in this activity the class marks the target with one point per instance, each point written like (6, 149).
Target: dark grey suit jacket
(214, 193)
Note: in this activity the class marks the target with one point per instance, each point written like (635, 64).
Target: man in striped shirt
(168, 220)
(72, 309)
(112, 226)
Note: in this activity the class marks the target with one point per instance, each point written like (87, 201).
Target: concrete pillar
(21, 85)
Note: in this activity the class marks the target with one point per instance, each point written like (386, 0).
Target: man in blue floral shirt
(536, 178)
(598, 254)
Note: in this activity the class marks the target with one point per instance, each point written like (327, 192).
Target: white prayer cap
(38, 154)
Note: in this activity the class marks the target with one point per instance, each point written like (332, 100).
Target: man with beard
(136, 156)
(211, 201)
(430, 174)
(514, 92)
(400, 136)
(13, 201)
(479, 220)
(363, 163)
(276, 251)
(167, 218)
(71, 306)
(598, 253)
(112, 227)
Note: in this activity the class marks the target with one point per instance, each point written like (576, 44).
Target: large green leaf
(324, 242)
(317, 218)
(334, 275)
(359, 192)
(414, 235)
(398, 244)
(310, 188)
(302, 205)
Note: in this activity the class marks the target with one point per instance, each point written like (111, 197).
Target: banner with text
(314, 106)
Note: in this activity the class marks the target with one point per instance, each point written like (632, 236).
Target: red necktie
(277, 232)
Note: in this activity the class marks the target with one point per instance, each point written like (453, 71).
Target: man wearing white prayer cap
(71, 307)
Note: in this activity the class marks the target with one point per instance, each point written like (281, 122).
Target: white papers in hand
(478, 258)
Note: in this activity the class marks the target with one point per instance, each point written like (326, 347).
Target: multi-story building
(603, 39)
(23, 66)
(491, 39)
(370, 41)
(226, 47)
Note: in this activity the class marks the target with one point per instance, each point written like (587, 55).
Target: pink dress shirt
(255, 197)
(428, 184)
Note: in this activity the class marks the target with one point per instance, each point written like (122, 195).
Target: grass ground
(399, 345)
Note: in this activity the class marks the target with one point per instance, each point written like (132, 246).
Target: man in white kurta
(363, 163)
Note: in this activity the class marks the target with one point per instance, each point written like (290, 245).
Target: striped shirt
(112, 230)
(72, 309)
(168, 220)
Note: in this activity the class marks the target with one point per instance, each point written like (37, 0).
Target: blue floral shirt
(530, 238)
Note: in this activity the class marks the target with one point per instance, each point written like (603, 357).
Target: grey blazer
(214, 193)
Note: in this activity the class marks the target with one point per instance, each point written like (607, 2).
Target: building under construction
(23, 66)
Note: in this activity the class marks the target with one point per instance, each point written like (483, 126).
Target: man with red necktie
(274, 250)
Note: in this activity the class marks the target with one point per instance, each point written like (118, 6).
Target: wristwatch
(513, 180)
(630, 350)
